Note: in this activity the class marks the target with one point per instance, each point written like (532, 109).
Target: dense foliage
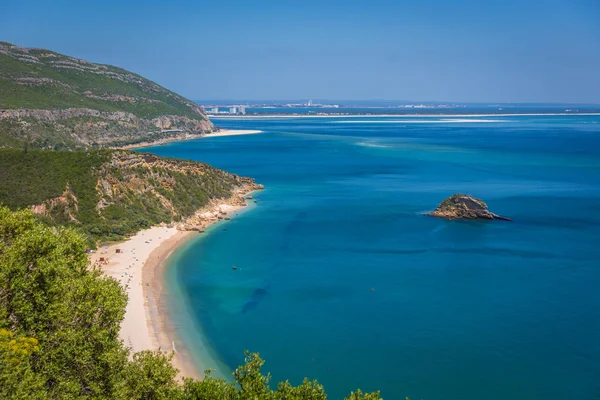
(59, 323)
(143, 190)
(72, 78)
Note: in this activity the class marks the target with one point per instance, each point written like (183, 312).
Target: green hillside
(109, 194)
(51, 100)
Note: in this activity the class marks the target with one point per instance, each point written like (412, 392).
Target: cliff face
(461, 206)
(177, 187)
(111, 194)
(49, 100)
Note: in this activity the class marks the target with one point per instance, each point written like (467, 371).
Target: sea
(342, 277)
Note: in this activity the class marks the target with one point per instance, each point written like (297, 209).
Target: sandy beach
(232, 132)
(138, 265)
(187, 136)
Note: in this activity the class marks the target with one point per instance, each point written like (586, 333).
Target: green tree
(151, 376)
(309, 390)
(359, 395)
(209, 388)
(48, 292)
(252, 382)
(17, 379)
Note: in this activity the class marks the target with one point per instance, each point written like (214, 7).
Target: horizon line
(401, 102)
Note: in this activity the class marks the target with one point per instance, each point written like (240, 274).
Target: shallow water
(342, 278)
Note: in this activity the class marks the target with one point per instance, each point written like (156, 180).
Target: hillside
(110, 194)
(49, 100)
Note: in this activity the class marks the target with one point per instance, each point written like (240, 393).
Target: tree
(151, 376)
(17, 379)
(48, 292)
(209, 388)
(250, 383)
(312, 390)
(359, 395)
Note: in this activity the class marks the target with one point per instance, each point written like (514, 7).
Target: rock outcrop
(218, 209)
(462, 206)
(128, 174)
(66, 204)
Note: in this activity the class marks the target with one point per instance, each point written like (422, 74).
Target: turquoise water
(342, 278)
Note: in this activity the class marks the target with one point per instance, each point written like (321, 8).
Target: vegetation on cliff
(110, 194)
(59, 324)
(50, 100)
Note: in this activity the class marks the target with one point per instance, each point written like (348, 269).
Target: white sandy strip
(231, 132)
(413, 121)
(126, 268)
(438, 115)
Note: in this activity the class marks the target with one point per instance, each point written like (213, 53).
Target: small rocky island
(462, 206)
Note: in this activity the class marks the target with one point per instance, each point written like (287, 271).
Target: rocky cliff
(461, 206)
(49, 100)
(111, 194)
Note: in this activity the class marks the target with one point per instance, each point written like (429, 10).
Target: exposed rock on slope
(111, 194)
(66, 204)
(461, 206)
(49, 100)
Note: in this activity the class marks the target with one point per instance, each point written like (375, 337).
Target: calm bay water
(342, 278)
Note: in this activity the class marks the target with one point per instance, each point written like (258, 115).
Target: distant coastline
(266, 116)
(232, 132)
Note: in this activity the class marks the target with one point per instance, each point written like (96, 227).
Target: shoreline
(232, 132)
(156, 304)
(189, 136)
(138, 264)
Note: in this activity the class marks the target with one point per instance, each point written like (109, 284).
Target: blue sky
(463, 51)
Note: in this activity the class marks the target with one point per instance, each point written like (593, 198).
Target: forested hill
(110, 194)
(49, 100)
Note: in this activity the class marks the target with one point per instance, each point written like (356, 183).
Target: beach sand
(232, 132)
(185, 137)
(156, 304)
(138, 265)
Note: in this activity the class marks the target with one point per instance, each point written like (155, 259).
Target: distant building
(214, 110)
(243, 110)
(233, 110)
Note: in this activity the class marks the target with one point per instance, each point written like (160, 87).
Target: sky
(415, 50)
